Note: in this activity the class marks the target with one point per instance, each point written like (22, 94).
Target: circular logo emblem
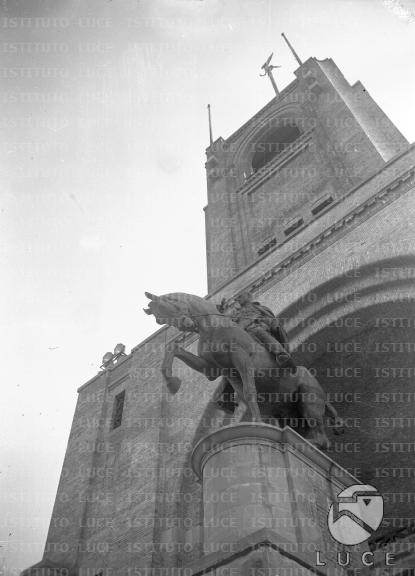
(356, 514)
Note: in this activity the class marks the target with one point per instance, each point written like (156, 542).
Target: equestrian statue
(246, 345)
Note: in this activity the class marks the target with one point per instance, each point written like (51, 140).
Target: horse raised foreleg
(173, 383)
(195, 362)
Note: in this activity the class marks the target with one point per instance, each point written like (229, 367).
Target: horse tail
(331, 413)
(173, 383)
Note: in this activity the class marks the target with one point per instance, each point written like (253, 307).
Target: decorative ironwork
(392, 536)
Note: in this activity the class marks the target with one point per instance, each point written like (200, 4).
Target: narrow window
(293, 226)
(321, 204)
(118, 410)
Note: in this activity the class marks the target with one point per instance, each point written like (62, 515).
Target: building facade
(310, 206)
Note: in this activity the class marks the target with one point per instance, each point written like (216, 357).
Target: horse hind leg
(338, 424)
(226, 397)
(240, 410)
(312, 403)
(248, 392)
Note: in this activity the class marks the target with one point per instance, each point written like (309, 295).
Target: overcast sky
(103, 133)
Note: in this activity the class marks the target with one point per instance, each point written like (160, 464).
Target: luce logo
(356, 514)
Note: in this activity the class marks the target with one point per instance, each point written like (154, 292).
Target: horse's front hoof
(338, 427)
(173, 384)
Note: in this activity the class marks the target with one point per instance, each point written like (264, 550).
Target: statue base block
(266, 496)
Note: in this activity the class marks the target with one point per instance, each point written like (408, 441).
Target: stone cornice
(257, 433)
(362, 212)
(385, 196)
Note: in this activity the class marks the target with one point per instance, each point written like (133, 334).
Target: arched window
(273, 143)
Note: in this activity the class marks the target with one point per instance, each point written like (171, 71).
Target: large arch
(357, 334)
(381, 282)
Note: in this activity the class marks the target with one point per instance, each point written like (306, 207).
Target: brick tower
(310, 207)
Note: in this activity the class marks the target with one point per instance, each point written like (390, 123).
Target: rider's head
(244, 298)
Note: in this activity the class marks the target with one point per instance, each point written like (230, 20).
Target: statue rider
(259, 321)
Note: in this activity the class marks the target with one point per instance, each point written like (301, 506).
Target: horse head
(186, 312)
(176, 309)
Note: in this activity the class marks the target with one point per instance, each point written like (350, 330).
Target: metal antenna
(267, 67)
(210, 125)
(294, 53)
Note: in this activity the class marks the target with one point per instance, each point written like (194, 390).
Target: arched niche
(390, 280)
(266, 129)
(361, 348)
(272, 143)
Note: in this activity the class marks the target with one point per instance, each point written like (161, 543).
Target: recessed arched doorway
(357, 334)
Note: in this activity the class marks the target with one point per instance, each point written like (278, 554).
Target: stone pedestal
(266, 496)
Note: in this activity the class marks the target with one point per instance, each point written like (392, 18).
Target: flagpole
(210, 125)
(294, 53)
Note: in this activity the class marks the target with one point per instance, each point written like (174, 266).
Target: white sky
(102, 182)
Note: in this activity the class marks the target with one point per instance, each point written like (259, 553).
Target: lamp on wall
(111, 358)
(107, 360)
(119, 350)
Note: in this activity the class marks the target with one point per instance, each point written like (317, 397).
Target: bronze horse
(225, 349)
